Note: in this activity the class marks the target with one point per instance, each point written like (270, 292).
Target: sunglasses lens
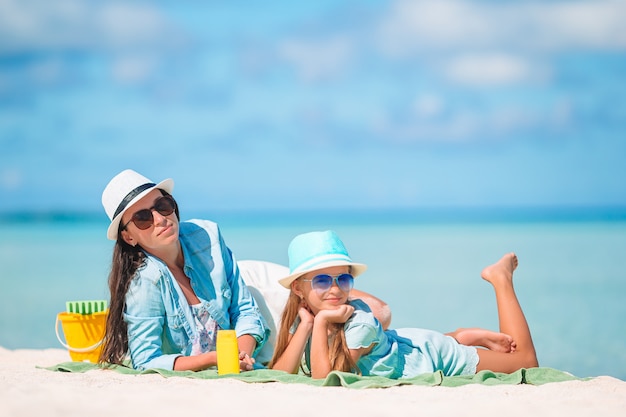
(143, 219)
(165, 206)
(322, 282)
(345, 282)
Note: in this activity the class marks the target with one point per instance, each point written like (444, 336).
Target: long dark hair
(124, 264)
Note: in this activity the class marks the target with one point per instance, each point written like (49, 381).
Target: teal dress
(405, 353)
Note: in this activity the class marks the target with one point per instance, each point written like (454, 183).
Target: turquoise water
(571, 280)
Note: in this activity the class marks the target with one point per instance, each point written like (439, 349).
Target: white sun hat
(124, 190)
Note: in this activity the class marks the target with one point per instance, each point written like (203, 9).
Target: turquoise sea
(571, 280)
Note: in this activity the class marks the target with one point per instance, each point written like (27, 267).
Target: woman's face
(162, 233)
(327, 300)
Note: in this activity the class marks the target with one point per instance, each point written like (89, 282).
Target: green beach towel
(533, 376)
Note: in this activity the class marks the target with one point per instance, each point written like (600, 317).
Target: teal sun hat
(317, 250)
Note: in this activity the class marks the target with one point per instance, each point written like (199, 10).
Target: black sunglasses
(143, 219)
(323, 282)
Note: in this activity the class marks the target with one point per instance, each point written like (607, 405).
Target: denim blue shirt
(159, 319)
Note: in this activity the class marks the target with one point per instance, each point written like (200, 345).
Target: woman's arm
(195, 363)
(146, 321)
(246, 344)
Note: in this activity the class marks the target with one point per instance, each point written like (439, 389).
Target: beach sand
(26, 390)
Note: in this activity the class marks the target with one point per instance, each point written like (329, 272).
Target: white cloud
(78, 24)
(315, 60)
(488, 70)
(472, 42)
(133, 68)
(428, 105)
(413, 25)
(433, 121)
(595, 24)
(530, 25)
(458, 127)
(511, 119)
(120, 23)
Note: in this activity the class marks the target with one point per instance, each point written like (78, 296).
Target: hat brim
(165, 185)
(356, 270)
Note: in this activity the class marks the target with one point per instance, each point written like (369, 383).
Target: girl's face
(162, 232)
(326, 300)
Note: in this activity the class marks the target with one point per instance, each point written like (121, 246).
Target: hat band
(129, 197)
(308, 265)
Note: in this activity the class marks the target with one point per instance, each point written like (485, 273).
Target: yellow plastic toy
(83, 325)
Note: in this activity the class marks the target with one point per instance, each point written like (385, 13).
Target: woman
(173, 284)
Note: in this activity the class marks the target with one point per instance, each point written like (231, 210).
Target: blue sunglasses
(323, 282)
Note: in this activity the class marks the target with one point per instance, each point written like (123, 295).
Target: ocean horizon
(256, 217)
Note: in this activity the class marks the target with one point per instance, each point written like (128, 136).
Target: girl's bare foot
(501, 270)
(498, 342)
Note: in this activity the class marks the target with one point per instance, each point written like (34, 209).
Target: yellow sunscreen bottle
(227, 352)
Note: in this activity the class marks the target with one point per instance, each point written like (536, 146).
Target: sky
(315, 105)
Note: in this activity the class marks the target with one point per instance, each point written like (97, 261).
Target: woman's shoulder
(198, 226)
(198, 236)
(148, 282)
(151, 271)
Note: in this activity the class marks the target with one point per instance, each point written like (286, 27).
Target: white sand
(28, 391)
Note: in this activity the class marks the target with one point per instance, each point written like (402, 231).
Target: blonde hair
(339, 354)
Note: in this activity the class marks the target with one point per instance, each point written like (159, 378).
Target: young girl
(335, 333)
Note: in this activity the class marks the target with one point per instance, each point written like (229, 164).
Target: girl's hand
(246, 363)
(306, 317)
(339, 315)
